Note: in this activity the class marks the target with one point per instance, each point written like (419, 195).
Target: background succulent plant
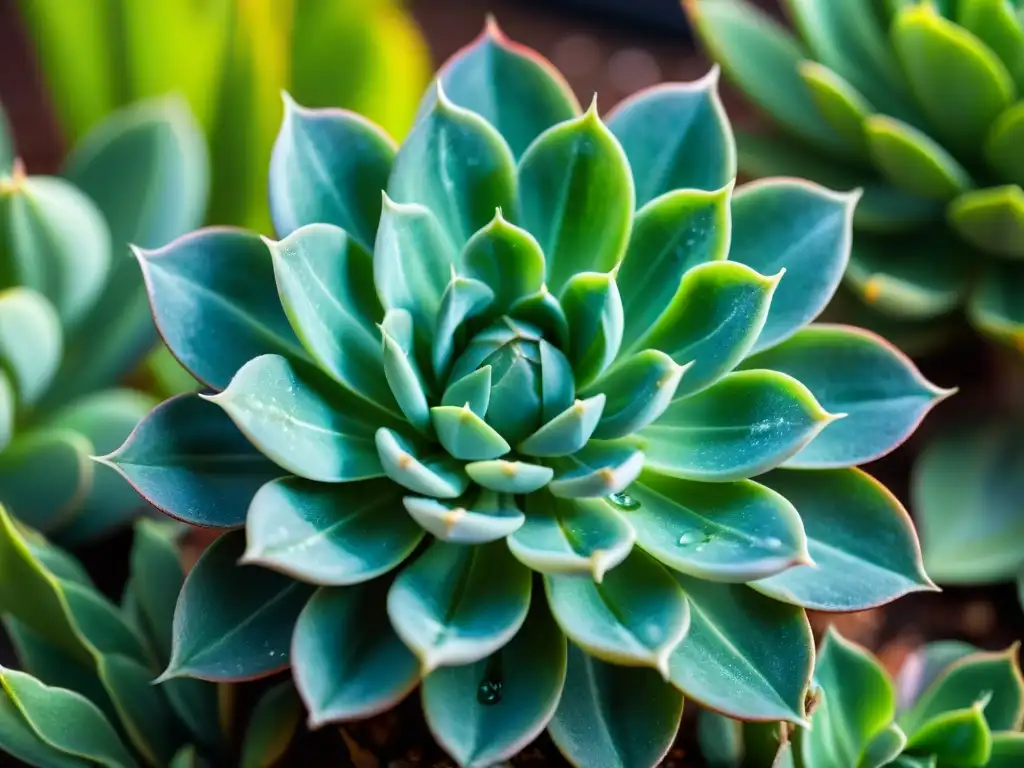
(951, 704)
(916, 102)
(85, 693)
(74, 319)
(492, 430)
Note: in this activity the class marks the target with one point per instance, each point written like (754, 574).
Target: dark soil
(604, 54)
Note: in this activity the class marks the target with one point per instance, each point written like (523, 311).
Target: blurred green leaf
(271, 727)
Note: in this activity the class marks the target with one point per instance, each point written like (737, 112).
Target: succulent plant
(916, 102)
(492, 430)
(951, 705)
(85, 694)
(74, 319)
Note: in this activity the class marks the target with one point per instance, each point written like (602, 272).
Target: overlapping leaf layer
(488, 410)
(74, 319)
(919, 104)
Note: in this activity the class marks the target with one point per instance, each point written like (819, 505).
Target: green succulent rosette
(950, 705)
(84, 693)
(74, 319)
(492, 431)
(917, 102)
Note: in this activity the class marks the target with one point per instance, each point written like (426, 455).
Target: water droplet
(686, 539)
(624, 501)
(773, 543)
(488, 692)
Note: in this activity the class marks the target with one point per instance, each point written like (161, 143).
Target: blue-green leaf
(439, 476)
(31, 343)
(676, 137)
(187, 458)
(636, 616)
(747, 423)
(456, 164)
(328, 166)
(224, 279)
(325, 279)
(348, 662)
(516, 89)
(732, 532)
(713, 320)
(507, 259)
(464, 298)
(598, 469)
(991, 219)
(510, 696)
(272, 726)
(402, 372)
(298, 424)
(233, 622)
(571, 536)
(913, 161)
(593, 310)
(670, 235)
(503, 476)
(803, 228)
(838, 101)
(576, 197)
(637, 392)
(746, 656)
(473, 390)
(861, 540)
(333, 534)
(489, 517)
(614, 716)
(465, 435)
(568, 432)
(457, 604)
(855, 372)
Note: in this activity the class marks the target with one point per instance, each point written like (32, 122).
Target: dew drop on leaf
(772, 543)
(624, 501)
(488, 692)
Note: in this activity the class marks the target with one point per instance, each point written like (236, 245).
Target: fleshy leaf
(803, 228)
(503, 476)
(997, 25)
(614, 716)
(745, 655)
(993, 677)
(348, 663)
(961, 85)
(146, 168)
(465, 435)
(1004, 138)
(66, 721)
(21, 742)
(576, 197)
(333, 534)
(328, 166)
(187, 458)
(557, 382)
(45, 476)
(859, 703)
(593, 309)
(732, 532)
(568, 432)
(272, 726)
(713, 321)
(747, 423)
(636, 615)
(670, 235)
(913, 161)
(761, 58)
(960, 736)
(637, 393)
(53, 240)
(507, 259)
(412, 262)
(456, 604)
(542, 310)
(401, 370)
(488, 518)
(978, 469)
(456, 164)
(859, 536)
(473, 389)
(30, 343)
(991, 219)
(838, 101)
(463, 299)
(599, 469)
(994, 307)
(233, 622)
(855, 372)
(489, 711)
(297, 424)
(571, 536)
(325, 279)
(224, 279)
(438, 476)
(513, 87)
(676, 137)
